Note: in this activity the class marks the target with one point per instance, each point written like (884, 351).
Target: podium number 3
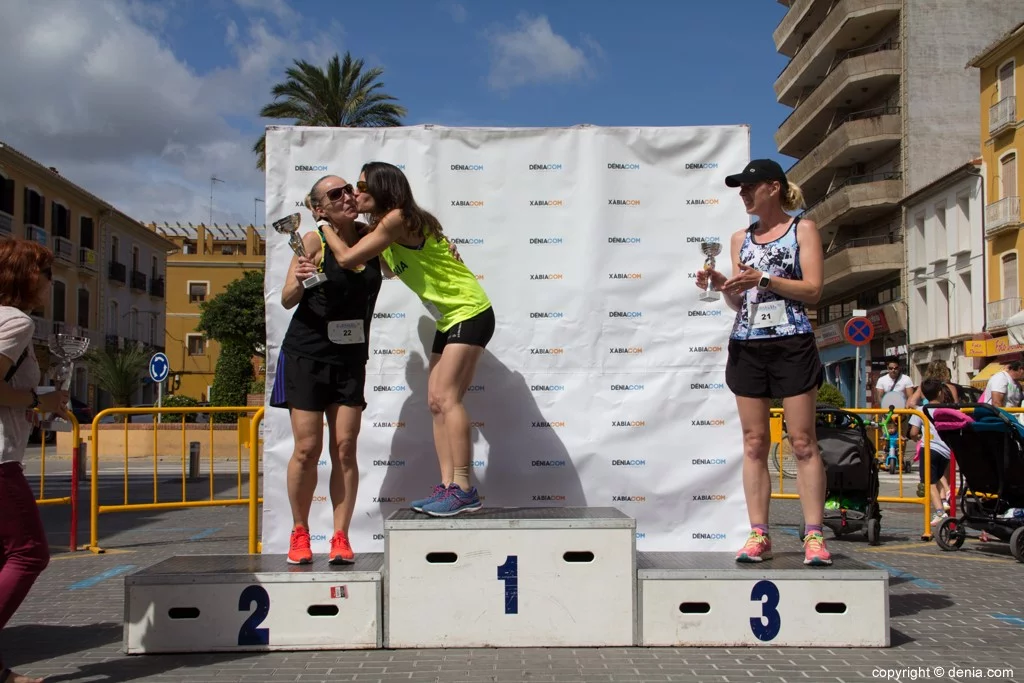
(766, 593)
(250, 634)
(509, 573)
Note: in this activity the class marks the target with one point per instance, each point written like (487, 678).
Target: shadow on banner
(502, 416)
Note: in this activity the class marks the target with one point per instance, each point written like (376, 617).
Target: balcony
(853, 263)
(857, 80)
(1002, 115)
(63, 250)
(1002, 216)
(797, 25)
(859, 137)
(851, 23)
(6, 223)
(37, 234)
(118, 272)
(156, 287)
(998, 312)
(87, 260)
(138, 281)
(858, 199)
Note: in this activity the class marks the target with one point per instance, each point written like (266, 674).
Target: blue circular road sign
(159, 368)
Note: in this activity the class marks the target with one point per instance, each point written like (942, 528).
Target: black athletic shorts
(774, 368)
(306, 384)
(476, 331)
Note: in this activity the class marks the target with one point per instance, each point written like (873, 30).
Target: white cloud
(533, 53)
(101, 97)
(457, 12)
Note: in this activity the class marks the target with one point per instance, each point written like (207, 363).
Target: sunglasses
(361, 186)
(336, 193)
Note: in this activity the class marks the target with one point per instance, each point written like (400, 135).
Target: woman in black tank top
(322, 366)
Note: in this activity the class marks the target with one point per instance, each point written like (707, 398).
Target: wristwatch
(764, 282)
(35, 400)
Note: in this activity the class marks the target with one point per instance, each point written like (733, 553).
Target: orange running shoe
(341, 550)
(757, 548)
(815, 552)
(298, 547)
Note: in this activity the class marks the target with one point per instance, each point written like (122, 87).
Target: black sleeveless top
(345, 296)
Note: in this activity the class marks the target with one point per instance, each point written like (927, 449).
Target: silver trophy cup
(66, 348)
(710, 251)
(290, 226)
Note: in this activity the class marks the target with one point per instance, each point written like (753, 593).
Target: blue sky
(141, 102)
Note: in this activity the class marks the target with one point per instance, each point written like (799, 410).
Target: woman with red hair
(25, 280)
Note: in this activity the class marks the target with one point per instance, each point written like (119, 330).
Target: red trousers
(24, 552)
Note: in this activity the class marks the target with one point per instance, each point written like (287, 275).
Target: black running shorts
(778, 367)
(476, 331)
(306, 384)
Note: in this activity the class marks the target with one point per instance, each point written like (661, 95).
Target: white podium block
(511, 577)
(710, 600)
(234, 603)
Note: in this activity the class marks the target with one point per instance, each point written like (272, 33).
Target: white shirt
(887, 384)
(937, 445)
(16, 328)
(1002, 383)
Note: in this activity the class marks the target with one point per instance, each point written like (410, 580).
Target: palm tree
(343, 95)
(119, 373)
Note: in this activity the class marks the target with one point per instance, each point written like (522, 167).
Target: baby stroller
(988, 445)
(851, 474)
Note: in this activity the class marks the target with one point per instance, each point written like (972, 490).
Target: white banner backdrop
(604, 382)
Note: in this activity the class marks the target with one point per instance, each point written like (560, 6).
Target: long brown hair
(22, 263)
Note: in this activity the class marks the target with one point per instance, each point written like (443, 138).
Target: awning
(982, 378)
(1015, 328)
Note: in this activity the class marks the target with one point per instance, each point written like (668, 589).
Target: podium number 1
(250, 634)
(509, 573)
(766, 593)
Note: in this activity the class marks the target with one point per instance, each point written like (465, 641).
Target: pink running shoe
(757, 548)
(815, 553)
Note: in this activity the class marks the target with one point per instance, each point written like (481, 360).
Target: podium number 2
(250, 634)
(766, 593)
(509, 573)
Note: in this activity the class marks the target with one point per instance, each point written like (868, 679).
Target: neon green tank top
(448, 289)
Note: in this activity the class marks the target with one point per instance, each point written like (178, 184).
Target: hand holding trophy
(710, 251)
(66, 348)
(290, 226)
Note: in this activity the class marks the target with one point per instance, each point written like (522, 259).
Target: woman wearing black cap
(778, 264)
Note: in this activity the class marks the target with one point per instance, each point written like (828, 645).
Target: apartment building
(207, 259)
(998, 68)
(946, 271)
(38, 203)
(882, 106)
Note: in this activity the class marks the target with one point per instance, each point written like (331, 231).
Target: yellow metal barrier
(95, 509)
(924, 501)
(75, 441)
(254, 468)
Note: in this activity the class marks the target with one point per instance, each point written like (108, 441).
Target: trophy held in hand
(290, 226)
(710, 251)
(66, 348)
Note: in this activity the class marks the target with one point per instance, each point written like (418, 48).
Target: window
(941, 309)
(1010, 276)
(115, 249)
(940, 249)
(153, 274)
(196, 344)
(152, 331)
(60, 220)
(964, 304)
(114, 319)
(963, 222)
(197, 291)
(59, 301)
(83, 308)
(1005, 81)
(35, 206)
(133, 323)
(921, 301)
(135, 259)
(918, 255)
(1008, 176)
(85, 230)
(7, 195)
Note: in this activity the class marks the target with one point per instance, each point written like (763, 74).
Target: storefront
(840, 357)
(995, 353)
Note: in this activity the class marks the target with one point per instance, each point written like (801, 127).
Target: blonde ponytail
(794, 198)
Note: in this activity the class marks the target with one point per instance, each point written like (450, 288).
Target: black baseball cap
(759, 170)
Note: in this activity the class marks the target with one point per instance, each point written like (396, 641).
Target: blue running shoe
(452, 502)
(439, 491)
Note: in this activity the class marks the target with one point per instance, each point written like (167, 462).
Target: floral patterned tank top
(766, 315)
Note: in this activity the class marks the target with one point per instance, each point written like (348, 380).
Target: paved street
(963, 609)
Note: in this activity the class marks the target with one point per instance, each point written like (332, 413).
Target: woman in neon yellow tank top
(412, 243)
